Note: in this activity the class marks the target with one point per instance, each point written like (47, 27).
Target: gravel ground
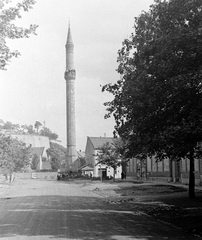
(168, 203)
(164, 202)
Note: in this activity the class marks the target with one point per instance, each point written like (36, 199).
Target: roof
(80, 154)
(37, 150)
(87, 168)
(98, 142)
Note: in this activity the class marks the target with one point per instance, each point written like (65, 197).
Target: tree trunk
(100, 175)
(171, 170)
(114, 175)
(10, 177)
(191, 176)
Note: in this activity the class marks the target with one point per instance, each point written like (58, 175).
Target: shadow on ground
(167, 203)
(82, 218)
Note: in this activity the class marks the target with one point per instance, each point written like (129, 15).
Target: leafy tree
(29, 129)
(9, 30)
(8, 125)
(157, 102)
(57, 155)
(47, 132)
(37, 125)
(14, 155)
(109, 155)
(1, 123)
(35, 161)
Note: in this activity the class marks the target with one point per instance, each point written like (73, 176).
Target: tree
(157, 102)
(109, 155)
(35, 161)
(26, 128)
(8, 125)
(37, 125)
(57, 155)
(14, 155)
(10, 31)
(48, 133)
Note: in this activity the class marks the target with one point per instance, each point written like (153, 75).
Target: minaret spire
(69, 50)
(69, 35)
(70, 76)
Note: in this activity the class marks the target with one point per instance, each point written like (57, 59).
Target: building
(33, 140)
(79, 162)
(92, 147)
(37, 157)
(165, 170)
(39, 144)
(70, 76)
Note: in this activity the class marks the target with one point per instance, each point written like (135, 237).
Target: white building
(99, 170)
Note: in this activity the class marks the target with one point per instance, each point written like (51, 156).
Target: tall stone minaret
(70, 76)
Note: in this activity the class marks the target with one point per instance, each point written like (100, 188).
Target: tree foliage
(48, 133)
(38, 128)
(8, 30)
(111, 154)
(35, 161)
(37, 125)
(57, 155)
(157, 102)
(14, 155)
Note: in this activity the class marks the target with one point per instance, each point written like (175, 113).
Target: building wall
(89, 153)
(170, 170)
(34, 140)
(185, 166)
(131, 168)
(104, 170)
(157, 170)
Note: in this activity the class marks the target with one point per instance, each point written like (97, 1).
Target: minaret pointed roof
(69, 35)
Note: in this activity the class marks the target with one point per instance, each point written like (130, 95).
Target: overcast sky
(33, 87)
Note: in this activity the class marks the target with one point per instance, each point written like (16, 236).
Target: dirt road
(41, 209)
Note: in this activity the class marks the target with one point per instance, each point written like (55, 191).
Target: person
(123, 175)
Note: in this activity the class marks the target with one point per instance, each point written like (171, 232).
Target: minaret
(70, 76)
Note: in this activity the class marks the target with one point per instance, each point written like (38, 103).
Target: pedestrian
(122, 175)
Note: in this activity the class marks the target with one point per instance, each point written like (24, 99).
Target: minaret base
(71, 157)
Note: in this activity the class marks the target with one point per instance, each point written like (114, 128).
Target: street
(50, 209)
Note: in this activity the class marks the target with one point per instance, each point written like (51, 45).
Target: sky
(33, 86)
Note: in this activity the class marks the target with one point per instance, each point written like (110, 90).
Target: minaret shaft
(69, 56)
(70, 76)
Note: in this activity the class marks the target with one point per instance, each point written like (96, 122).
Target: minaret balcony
(70, 74)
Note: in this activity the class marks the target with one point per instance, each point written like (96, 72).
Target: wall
(109, 171)
(37, 175)
(34, 140)
(89, 153)
(132, 167)
(185, 171)
(158, 170)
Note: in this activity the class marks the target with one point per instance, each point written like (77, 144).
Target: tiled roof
(100, 141)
